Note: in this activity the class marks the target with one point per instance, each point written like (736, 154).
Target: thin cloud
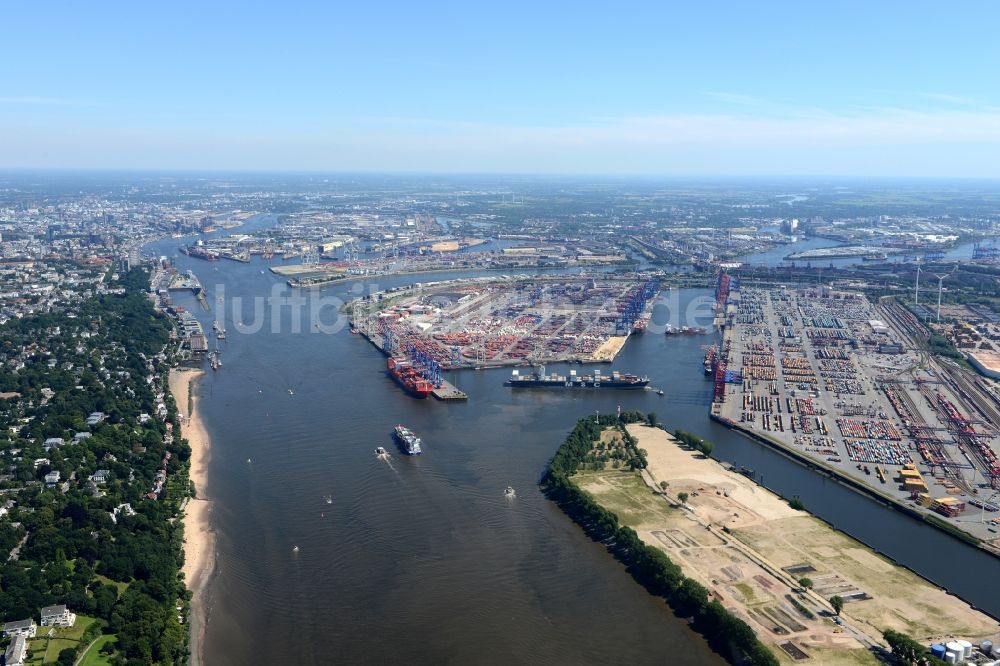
(36, 100)
(956, 142)
(734, 98)
(949, 99)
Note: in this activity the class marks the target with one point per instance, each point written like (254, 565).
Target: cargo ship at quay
(410, 442)
(408, 377)
(616, 380)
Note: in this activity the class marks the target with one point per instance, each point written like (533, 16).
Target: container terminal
(843, 383)
(491, 322)
(427, 329)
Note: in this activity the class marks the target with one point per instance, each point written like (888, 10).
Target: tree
(651, 418)
(796, 503)
(67, 657)
(707, 448)
(663, 486)
(837, 603)
(683, 497)
(907, 650)
(806, 583)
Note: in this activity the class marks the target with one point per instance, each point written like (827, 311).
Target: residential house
(58, 616)
(122, 509)
(80, 436)
(101, 476)
(20, 628)
(52, 478)
(95, 418)
(16, 652)
(53, 443)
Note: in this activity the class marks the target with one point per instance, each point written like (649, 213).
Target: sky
(887, 88)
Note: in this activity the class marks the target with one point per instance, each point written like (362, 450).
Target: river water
(423, 559)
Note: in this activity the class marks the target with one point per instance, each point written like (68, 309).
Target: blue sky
(863, 89)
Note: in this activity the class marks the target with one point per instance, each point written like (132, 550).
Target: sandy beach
(199, 538)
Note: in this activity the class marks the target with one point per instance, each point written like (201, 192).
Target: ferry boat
(410, 442)
(616, 380)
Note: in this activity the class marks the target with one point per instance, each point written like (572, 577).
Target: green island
(763, 581)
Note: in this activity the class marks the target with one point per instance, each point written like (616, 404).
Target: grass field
(55, 646)
(94, 656)
(107, 581)
(45, 650)
(625, 493)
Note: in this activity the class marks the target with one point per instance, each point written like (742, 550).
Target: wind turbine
(940, 281)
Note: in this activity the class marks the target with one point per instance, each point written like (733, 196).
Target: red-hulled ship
(407, 376)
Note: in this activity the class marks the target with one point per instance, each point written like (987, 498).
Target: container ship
(616, 380)
(407, 376)
(407, 440)
(685, 330)
(199, 252)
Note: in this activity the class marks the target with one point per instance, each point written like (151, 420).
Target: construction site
(848, 385)
(520, 320)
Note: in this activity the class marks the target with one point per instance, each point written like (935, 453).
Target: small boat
(295, 549)
(249, 461)
(328, 499)
(291, 392)
(380, 452)
(509, 492)
(659, 392)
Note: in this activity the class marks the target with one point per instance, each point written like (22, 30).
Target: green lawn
(76, 631)
(55, 646)
(94, 656)
(45, 650)
(107, 581)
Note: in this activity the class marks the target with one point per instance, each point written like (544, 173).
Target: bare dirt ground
(737, 538)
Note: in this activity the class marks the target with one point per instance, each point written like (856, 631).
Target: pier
(448, 391)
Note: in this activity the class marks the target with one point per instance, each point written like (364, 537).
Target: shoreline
(199, 537)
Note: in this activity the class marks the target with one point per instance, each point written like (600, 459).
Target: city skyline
(846, 90)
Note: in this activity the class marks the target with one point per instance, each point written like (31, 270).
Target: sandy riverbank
(199, 538)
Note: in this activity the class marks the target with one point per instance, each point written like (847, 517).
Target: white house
(53, 443)
(58, 616)
(52, 478)
(20, 628)
(16, 652)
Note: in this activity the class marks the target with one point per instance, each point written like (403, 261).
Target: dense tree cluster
(908, 651)
(107, 355)
(648, 565)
